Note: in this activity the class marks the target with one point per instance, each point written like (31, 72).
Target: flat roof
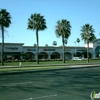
(44, 46)
(54, 47)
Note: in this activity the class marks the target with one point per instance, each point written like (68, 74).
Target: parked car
(76, 58)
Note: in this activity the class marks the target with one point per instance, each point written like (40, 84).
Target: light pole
(75, 49)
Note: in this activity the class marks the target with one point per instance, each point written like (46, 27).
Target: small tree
(78, 40)
(22, 55)
(34, 45)
(46, 45)
(54, 43)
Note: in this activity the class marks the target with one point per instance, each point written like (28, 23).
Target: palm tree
(54, 43)
(63, 29)
(78, 40)
(34, 45)
(5, 21)
(87, 34)
(46, 45)
(38, 23)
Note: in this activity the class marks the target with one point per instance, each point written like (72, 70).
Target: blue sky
(78, 12)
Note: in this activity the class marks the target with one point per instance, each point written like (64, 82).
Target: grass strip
(30, 68)
(49, 62)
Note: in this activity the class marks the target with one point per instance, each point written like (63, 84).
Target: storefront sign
(67, 50)
(31, 49)
(12, 48)
(49, 50)
(81, 50)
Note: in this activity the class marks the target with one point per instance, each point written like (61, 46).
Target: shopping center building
(16, 50)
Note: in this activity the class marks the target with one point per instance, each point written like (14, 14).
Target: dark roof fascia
(13, 43)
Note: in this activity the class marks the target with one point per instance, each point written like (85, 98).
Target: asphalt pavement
(65, 84)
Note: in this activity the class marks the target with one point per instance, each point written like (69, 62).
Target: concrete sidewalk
(88, 65)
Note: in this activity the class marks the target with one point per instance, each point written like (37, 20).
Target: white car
(76, 58)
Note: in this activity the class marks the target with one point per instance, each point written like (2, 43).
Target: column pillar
(72, 55)
(94, 55)
(49, 56)
(35, 56)
(0, 56)
(82, 56)
(61, 56)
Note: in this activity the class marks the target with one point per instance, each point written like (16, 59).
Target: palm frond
(63, 28)
(36, 21)
(5, 18)
(87, 33)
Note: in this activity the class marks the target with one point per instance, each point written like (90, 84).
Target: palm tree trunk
(63, 50)
(37, 47)
(2, 51)
(87, 51)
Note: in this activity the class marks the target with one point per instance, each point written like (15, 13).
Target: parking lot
(69, 84)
